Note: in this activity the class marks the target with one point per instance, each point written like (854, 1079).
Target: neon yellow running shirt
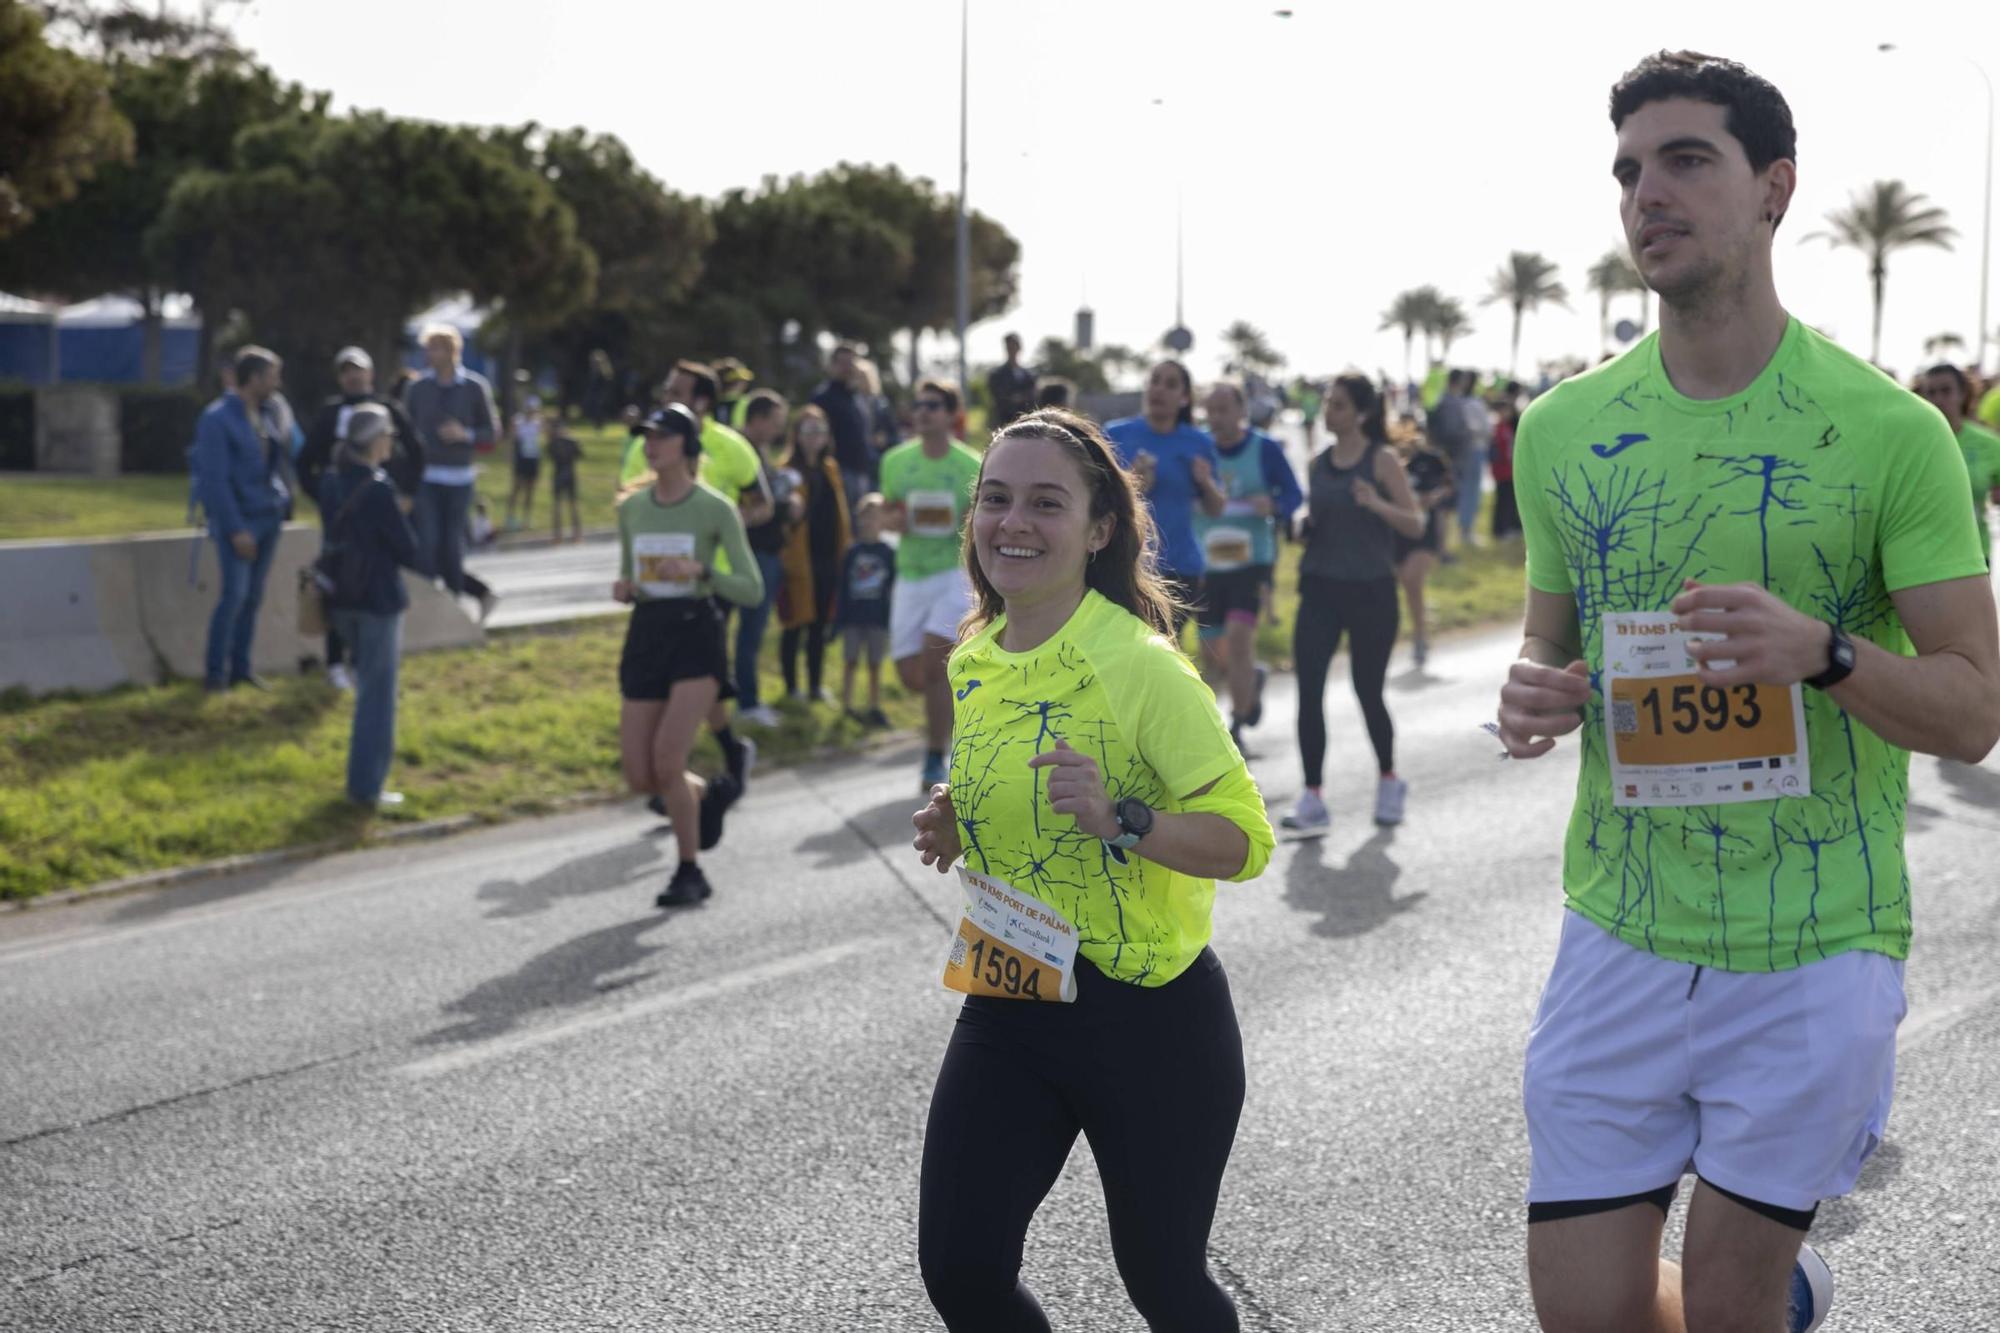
(1118, 692)
(1829, 485)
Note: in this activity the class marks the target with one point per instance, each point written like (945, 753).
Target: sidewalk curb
(425, 830)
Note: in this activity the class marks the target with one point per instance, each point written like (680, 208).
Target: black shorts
(563, 482)
(527, 469)
(669, 641)
(1432, 540)
(1238, 591)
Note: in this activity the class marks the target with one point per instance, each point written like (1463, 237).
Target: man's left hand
(1076, 788)
(1765, 641)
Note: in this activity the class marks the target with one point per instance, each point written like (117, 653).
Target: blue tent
(98, 342)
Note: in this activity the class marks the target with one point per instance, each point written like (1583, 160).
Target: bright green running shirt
(1118, 692)
(928, 487)
(1981, 448)
(1831, 486)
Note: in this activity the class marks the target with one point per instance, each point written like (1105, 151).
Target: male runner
(1729, 980)
(928, 483)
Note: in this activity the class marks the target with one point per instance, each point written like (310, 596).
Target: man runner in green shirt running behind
(1736, 532)
(928, 483)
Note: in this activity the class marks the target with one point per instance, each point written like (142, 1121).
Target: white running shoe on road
(1390, 794)
(340, 677)
(1812, 1292)
(1308, 812)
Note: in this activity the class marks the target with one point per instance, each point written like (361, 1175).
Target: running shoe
(763, 715)
(688, 887)
(935, 771)
(1390, 794)
(487, 601)
(1256, 713)
(876, 718)
(1308, 812)
(1812, 1292)
(715, 802)
(340, 677)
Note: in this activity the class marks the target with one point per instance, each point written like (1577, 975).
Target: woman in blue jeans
(371, 543)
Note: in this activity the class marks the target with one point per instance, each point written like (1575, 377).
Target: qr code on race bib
(1624, 716)
(958, 952)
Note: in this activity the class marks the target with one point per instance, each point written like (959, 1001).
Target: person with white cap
(354, 371)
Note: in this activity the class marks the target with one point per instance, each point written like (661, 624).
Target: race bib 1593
(1673, 740)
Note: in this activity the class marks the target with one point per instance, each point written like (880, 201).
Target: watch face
(1135, 815)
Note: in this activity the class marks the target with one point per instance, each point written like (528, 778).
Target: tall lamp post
(1986, 223)
(964, 232)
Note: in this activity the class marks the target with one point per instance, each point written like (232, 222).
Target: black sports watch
(1135, 821)
(1839, 661)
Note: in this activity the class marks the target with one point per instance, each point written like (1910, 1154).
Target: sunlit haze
(1326, 160)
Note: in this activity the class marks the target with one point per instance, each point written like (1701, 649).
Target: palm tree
(1252, 350)
(1878, 221)
(1524, 282)
(1412, 312)
(1610, 276)
(1448, 324)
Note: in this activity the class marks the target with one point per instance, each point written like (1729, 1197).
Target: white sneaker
(340, 677)
(763, 715)
(1812, 1292)
(1390, 793)
(1308, 812)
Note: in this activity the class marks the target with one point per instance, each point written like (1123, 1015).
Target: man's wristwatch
(1839, 661)
(1135, 821)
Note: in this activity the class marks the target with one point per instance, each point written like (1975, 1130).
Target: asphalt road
(540, 584)
(483, 1084)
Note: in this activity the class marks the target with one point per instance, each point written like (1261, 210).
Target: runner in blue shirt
(1174, 464)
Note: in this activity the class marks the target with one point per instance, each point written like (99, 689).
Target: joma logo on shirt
(1624, 442)
(970, 686)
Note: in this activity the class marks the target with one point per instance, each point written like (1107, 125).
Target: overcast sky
(1325, 161)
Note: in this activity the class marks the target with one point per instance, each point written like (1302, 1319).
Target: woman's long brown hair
(1127, 569)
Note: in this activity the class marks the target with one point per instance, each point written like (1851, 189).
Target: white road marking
(680, 997)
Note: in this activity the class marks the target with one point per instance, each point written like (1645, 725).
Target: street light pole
(964, 233)
(1986, 211)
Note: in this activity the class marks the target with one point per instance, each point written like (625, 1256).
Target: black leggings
(788, 655)
(1368, 612)
(1152, 1077)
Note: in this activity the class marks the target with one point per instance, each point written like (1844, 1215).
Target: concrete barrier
(92, 615)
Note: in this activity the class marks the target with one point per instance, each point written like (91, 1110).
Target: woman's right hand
(621, 591)
(937, 830)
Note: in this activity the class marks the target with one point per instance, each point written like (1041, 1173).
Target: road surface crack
(123, 1250)
(177, 1098)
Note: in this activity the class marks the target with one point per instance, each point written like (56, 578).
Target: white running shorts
(1772, 1085)
(933, 604)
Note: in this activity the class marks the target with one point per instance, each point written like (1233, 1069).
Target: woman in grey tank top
(1359, 499)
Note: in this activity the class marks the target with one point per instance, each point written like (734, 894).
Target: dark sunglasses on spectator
(931, 404)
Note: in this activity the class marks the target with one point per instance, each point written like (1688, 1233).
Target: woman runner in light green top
(669, 535)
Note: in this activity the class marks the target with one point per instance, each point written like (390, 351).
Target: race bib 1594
(1010, 944)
